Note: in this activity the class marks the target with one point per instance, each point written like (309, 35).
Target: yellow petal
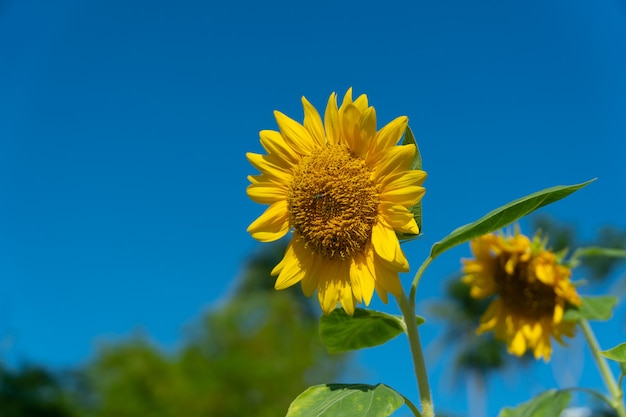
(361, 278)
(331, 120)
(368, 130)
(295, 134)
(272, 224)
(328, 291)
(295, 265)
(389, 135)
(270, 166)
(310, 280)
(361, 103)
(532, 332)
(403, 179)
(393, 160)
(313, 123)
(387, 278)
(398, 217)
(274, 143)
(255, 179)
(558, 314)
(347, 301)
(518, 344)
(350, 128)
(387, 246)
(347, 99)
(267, 192)
(291, 272)
(371, 260)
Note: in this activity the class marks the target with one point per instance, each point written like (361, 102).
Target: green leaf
(346, 400)
(598, 251)
(366, 328)
(409, 138)
(592, 308)
(547, 404)
(617, 354)
(505, 215)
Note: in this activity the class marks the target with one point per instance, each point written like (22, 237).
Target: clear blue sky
(124, 127)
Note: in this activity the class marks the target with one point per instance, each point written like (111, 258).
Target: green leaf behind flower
(547, 404)
(592, 308)
(505, 215)
(366, 328)
(346, 400)
(409, 138)
(617, 354)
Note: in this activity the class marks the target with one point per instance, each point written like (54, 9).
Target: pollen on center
(333, 203)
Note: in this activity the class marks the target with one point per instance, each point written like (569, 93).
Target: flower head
(530, 290)
(344, 189)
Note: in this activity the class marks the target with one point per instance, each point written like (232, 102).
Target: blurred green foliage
(252, 355)
(33, 391)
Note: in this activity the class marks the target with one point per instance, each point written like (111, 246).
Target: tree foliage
(250, 356)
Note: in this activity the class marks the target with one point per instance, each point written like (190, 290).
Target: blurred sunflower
(344, 189)
(531, 290)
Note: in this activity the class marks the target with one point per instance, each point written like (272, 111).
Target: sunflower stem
(416, 280)
(419, 364)
(603, 367)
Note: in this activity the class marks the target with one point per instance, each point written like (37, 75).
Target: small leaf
(617, 354)
(504, 215)
(547, 404)
(409, 139)
(592, 308)
(598, 251)
(366, 328)
(416, 209)
(346, 400)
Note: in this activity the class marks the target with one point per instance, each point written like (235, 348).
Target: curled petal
(398, 217)
(290, 270)
(272, 224)
(387, 247)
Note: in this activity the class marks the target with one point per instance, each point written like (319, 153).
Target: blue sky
(124, 128)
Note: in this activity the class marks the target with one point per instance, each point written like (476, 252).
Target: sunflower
(343, 189)
(530, 290)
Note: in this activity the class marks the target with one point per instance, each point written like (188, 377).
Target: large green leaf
(505, 215)
(409, 138)
(346, 400)
(617, 353)
(547, 404)
(366, 328)
(592, 308)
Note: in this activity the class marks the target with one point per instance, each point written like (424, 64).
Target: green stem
(603, 368)
(412, 407)
(416, 280)
(418, 356)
